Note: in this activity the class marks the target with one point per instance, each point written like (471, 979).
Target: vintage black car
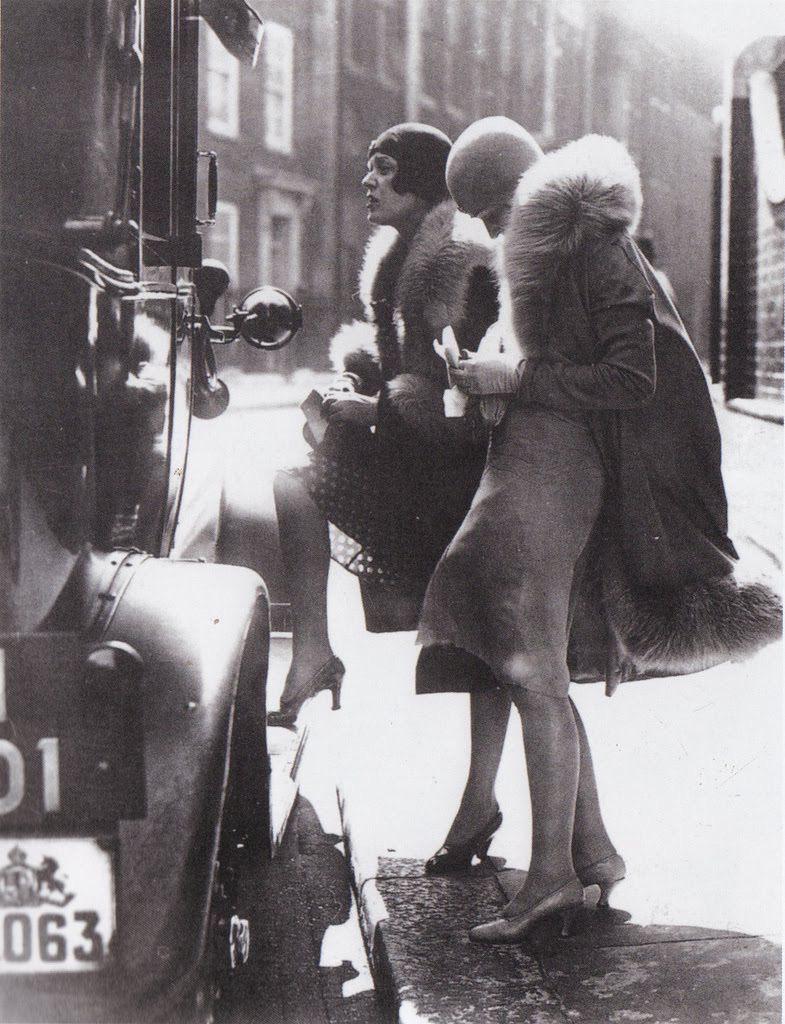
(133, 766)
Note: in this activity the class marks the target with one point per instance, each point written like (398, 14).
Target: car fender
(202, 632)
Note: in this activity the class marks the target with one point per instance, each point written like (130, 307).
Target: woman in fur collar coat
(605, 469)
(393, 475)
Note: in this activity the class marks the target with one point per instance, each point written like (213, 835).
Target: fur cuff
(672, 634)
(353, 350)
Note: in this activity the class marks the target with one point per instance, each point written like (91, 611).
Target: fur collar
(412, 290)
(585, 190)
(390, 265)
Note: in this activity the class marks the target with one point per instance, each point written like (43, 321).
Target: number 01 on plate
(57, 904)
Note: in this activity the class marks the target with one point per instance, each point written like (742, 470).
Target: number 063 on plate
(57, 904)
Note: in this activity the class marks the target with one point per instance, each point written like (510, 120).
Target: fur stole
(585, 190)
(410, 292)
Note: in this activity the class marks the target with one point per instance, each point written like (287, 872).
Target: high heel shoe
(604, 873)
(329, 677)
(459, 856)
(566, 901)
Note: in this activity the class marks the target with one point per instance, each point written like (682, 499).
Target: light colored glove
(455, 403)
(478, 374)
(351, 408)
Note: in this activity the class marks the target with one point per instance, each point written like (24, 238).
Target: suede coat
(661, 586)
(418, 469)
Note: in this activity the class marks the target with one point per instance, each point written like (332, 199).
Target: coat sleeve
(623, 374)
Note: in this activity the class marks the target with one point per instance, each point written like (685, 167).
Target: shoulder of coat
(586, 189)
(586, 192)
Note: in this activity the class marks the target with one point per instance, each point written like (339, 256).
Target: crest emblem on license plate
(23, 884)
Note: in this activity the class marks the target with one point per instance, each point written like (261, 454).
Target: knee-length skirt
(500, 598)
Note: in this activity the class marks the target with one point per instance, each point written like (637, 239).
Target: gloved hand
(492, 374)
(346, 382)
(351, 407)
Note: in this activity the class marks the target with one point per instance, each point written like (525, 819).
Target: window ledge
(286, 181)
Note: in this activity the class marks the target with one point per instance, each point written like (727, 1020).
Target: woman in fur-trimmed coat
(605, 468)
(393, 475)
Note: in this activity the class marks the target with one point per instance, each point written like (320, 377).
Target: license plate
(57, 905)
(71, 749)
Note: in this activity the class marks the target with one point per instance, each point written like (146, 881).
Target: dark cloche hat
(421, 152)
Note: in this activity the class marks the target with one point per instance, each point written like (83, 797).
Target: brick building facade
(346, 69)
(561, 68)
(274, 129)
(749, 344)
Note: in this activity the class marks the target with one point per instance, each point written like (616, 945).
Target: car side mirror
(268, 318)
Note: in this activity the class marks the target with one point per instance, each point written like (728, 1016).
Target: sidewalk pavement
(752, 464)
(690, 774)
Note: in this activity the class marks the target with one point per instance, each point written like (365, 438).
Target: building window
(222, 240)
(280, 240)
(223, 88)
(278, 87)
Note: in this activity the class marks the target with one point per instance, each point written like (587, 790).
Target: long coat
(663, 573)
(405, 487)
(601, 339)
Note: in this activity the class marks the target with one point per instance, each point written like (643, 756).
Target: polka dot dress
(368, 519)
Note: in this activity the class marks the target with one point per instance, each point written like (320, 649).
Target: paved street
(307, 964)
(689, 769)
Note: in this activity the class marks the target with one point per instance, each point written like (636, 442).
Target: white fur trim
(470, 229)
(597, 164)
(349, 339)
(377, 247)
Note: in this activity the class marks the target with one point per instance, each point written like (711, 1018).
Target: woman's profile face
(383, 203)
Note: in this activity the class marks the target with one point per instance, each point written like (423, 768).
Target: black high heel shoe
(329, 677)
(459, 856)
